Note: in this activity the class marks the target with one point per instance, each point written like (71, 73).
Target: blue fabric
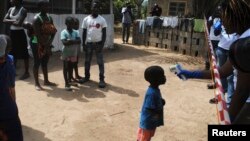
(217, 25)
(8, 107)
(152, 110)
(221, 55)
(97, 48)
(230, 88)
(227, 83)
(190, 74)
(69, 50)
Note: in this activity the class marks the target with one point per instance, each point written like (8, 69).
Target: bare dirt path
(112, 114)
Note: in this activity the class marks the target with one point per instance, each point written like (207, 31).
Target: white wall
(59, 21)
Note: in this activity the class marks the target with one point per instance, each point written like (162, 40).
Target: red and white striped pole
(221, 106)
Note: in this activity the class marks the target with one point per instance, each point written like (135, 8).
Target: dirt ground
(112, 114)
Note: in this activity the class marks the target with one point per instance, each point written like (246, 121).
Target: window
(177, 8)
(55, 6)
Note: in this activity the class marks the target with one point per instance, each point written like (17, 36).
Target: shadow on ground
(33, 134)
(88, 90)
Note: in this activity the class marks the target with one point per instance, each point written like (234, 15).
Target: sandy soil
(112, 114)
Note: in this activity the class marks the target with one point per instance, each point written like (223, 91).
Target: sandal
(211, 86)
(213, 101)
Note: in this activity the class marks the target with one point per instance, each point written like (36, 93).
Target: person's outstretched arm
(225, 71)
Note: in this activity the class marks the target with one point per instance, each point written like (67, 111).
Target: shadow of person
(31, 134)
(57, 92)
(110, 87)
(90, 90)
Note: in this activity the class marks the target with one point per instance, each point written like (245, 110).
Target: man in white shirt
(127, 19)
(93, 37)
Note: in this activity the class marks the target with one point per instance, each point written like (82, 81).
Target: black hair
(235, 15)
(69, 19)
(153, 74)
(41, 3)
(76, 20)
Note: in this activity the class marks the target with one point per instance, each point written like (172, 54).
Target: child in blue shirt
(152, 109)
(71, 41)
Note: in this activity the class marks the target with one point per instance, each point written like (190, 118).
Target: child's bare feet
(39, 88)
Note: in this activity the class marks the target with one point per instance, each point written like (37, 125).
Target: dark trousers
(207, 62)
(12, 129)
(125, 31)
(97, 48)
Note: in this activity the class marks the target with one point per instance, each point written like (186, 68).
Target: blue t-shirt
(8, 107)
(152, 102)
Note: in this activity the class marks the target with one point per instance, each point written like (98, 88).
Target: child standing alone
(152, 109)
(71, 41)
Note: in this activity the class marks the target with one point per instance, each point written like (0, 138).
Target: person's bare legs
(26, 72)
(44, 63)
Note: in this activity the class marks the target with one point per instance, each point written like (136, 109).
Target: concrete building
(59, 10)
(66, 6)
(172, 7)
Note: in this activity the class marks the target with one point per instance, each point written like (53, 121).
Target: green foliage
(104, 6)
(118, 4)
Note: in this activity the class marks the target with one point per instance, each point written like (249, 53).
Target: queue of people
(232, 53)
(235, 22)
